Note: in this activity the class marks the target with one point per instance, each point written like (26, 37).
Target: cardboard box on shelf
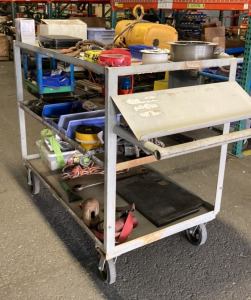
(231, 43)
(5, 19)
(4, 47)
(97, 10)
(70, 27)
(91, 22)
(242, 32)
(209, 25)
(25, 30)
(215, 33)
(10, 40)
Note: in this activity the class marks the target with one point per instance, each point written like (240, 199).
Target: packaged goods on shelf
(25, 30)
(70, 27)
(50, 158)
(101, 34)
(135, 50)
(4, 47)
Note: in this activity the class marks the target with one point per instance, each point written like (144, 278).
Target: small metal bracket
(29, 181)
(193, 229)
(102, 259)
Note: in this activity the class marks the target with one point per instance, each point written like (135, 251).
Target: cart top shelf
(44, 52)
(165, 112)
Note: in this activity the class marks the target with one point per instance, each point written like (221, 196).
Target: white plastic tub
(50, 159)
(101, 34)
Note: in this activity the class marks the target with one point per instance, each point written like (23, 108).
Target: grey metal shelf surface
(110, 199)
(51, 179)
(59, 133)
(62, 57)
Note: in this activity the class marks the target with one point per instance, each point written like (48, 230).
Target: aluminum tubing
(172, 151)
(203, 144)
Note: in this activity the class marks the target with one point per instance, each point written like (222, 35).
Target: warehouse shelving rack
(146, 232)
(241, 5)
(54, 9)
(153, 5)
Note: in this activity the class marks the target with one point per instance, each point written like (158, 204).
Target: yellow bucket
(87, 137)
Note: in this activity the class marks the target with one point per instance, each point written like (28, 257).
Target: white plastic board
(165, 112)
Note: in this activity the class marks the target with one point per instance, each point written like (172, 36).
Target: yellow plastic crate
(160, 85)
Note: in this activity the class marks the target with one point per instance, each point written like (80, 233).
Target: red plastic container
(115, 58)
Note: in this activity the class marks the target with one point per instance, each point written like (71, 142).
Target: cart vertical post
(223, 158)
(20, 98)
(111, 84)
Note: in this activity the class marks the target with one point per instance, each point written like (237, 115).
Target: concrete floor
(46, 255)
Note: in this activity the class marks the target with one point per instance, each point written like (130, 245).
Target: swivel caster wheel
(33, 182)
(107, 270)
(197, 235)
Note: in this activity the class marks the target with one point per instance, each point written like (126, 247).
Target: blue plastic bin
(135, 50)
(100, 122)
(56, 81)
(101, 34)
(64, 120)
(54, 111)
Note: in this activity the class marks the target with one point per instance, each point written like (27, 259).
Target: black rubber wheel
(108, 274)
(34, 183)
(197, 235)
(32, 92)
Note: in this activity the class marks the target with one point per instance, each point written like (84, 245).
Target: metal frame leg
(111, 80)
(14, 12)
(39, 74)
(54, 64)
(20, 97)
(25, 65)
(49, 10)
(113, 18)
(89, 9)
(222, 165)
(72, 76)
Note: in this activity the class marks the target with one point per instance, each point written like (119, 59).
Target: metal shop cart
(149, 115)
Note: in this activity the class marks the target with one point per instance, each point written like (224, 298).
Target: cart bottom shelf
(146, 230)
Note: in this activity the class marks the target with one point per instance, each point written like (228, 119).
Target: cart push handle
(172, 151)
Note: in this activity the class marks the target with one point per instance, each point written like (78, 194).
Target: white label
(145, 106)
(193, 64)
(133, 101)
(150, 113)
(245, 6)
(165, 4)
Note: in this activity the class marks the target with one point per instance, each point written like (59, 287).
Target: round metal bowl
(191, 50)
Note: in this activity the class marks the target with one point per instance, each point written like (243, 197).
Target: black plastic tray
(58, 41)
(159, 200)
